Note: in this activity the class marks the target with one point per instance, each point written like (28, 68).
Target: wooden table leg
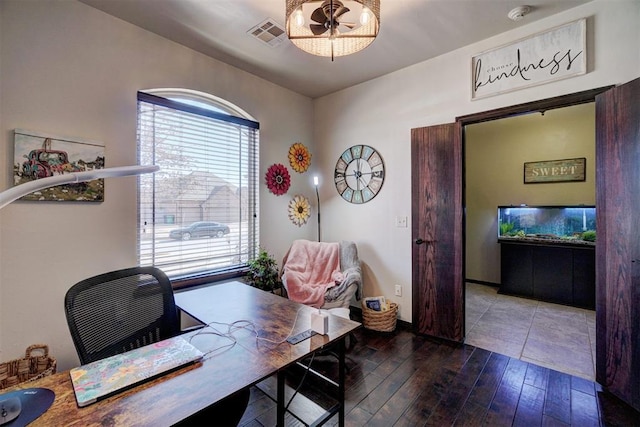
(280, 399)
(341, 380)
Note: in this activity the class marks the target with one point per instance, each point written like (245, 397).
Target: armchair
(323, 275)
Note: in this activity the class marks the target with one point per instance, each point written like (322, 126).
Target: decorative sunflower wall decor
(299, 210)
(299, 157)
(278, 179)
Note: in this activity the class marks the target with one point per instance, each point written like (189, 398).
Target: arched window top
(200, 99)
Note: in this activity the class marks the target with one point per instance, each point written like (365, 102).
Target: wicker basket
(36, 364)
(382, 321)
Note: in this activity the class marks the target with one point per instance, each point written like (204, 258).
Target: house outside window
(198, 213)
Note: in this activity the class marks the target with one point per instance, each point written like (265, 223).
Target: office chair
(122, 310)
(119, 311)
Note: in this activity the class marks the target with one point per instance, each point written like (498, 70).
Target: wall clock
(359, 174)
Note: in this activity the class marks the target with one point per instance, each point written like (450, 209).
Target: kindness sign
(552, 55)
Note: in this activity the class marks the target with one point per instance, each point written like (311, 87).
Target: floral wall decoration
(299, 157)
(299, 210)
(278, 179)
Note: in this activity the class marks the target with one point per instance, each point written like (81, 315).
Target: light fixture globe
(332, 28)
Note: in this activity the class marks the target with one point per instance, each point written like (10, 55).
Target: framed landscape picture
(38, 155)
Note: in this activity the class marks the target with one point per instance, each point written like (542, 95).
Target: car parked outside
(200, 229)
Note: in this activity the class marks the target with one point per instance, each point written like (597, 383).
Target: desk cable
(210, 329)
(304, 376)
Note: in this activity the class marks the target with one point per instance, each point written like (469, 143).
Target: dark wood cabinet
(584, 278)
(563, 275)
(517, 270)
(552, 274)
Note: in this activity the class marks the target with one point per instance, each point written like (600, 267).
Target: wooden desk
(174, 397)
(275, 317)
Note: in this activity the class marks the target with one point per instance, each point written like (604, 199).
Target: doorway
(551, 335)
(438, 195)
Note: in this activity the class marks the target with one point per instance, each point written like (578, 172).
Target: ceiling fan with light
(332, 27)
(327, 18)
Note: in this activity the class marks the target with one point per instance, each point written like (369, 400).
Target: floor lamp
(33, 402)
(315, 182)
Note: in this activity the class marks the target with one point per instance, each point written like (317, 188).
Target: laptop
(100, 379)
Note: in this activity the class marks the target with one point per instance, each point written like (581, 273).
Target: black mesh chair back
(116, 312)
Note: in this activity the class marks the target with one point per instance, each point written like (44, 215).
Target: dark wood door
(618, 241)
(436, 194)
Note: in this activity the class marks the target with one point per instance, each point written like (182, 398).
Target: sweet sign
(552, 55)
(555, 171)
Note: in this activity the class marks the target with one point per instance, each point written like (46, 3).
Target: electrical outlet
(398, 290)
(401, 221)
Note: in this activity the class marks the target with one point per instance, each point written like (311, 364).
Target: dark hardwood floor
(400, 379)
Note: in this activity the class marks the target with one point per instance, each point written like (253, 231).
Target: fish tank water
(548, 223)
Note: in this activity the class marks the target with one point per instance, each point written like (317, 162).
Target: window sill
(186, 282)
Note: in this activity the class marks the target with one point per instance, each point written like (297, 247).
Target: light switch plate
(401, 221)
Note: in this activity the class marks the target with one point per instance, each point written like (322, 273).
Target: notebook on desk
(103, 378)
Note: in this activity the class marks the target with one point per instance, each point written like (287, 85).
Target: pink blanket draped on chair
(309, 269)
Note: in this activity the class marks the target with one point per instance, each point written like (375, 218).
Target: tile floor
(550, 335)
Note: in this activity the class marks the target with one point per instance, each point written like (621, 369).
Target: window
(198, 213)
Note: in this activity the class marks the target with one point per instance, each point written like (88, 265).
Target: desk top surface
(225, 368)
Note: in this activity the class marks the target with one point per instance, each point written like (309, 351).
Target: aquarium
(560, 223)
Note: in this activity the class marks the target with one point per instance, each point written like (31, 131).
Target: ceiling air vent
(269, 32)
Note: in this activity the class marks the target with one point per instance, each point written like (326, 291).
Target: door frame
(458, 295)
(540, 106)
(532, 107)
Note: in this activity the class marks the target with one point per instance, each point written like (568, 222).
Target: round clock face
(359, 174)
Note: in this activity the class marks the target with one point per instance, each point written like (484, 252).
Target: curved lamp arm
(8, 196)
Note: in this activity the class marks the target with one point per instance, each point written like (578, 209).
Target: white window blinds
(198, 214)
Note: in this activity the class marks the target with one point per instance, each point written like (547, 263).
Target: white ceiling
(411, 31)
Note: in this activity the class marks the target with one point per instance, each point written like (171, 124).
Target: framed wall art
(38, 155)
(564, 170)
(558, 53)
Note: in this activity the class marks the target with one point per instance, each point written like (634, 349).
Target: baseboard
(355, 312)
(482, 282)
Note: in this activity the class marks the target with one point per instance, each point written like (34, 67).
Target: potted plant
(263, 272)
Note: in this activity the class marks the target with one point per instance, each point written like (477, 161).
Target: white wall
(383, 111)
(71, 70)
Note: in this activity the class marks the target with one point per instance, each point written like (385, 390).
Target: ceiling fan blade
(340, 11)
(318, 16)
(317, 29)
(350, 25)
